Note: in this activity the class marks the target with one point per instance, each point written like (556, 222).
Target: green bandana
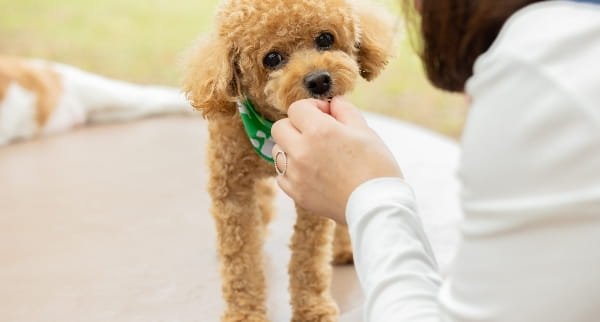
(258, 129)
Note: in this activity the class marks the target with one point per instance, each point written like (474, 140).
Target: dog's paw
(320, 313)
(239, 316)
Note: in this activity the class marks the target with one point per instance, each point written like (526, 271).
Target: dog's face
(290, 51)
(276, 52)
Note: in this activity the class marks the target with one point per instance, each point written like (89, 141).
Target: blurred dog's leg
(102, 99)
(342, 247)
(265, 193)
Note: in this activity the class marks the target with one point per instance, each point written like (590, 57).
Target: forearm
(394, 260)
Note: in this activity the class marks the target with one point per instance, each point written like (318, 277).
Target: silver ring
(285, 163)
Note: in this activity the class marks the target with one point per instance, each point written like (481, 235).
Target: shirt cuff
(373, 193)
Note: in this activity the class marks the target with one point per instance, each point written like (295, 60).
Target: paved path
(111, 223)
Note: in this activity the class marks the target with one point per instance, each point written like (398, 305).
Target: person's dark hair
(451, 35)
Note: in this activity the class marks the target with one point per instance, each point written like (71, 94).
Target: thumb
(345, 113)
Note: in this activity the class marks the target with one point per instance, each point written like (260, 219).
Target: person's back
(531, 173)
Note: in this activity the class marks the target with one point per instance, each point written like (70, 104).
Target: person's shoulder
(555, 42)
(539, 31)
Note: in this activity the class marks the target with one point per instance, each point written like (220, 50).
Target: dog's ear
(377, 39)
(210, 81)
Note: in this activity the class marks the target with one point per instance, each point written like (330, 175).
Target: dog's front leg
(239, 221)
(310, 269)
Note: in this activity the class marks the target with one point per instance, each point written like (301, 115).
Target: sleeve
(531, 201)
(394, 260)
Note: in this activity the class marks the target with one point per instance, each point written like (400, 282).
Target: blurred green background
(143, 41)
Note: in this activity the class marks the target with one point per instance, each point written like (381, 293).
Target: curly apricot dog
(263, 56)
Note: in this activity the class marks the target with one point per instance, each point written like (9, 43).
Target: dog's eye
(325, 40)
(273, 60)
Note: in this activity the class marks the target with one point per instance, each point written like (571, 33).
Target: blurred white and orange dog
(39, 98)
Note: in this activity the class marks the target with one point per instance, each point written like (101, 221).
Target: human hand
(330, 151)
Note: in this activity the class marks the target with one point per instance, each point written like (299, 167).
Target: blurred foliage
(142, 41)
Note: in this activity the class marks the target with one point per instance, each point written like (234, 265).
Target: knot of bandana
(258, 130)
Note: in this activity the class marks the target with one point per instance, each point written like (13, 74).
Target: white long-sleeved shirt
(530, 176)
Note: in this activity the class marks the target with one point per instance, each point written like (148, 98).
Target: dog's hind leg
(239, 224)
(310, 269)
(342, 248)
(265, 194)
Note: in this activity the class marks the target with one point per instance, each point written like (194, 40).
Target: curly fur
(228, 65)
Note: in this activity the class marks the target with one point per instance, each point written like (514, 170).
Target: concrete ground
(111, 223)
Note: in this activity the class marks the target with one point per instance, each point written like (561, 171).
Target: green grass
(142, 41)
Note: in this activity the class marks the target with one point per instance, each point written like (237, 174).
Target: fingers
(285, 176)
(285, 134)
(286, 186)
(308, 113)
(322, 105)
(344, 112)
(280, 161)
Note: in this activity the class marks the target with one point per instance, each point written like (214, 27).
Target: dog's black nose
(318, 83)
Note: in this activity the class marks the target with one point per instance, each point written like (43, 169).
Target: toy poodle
(262, 56)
